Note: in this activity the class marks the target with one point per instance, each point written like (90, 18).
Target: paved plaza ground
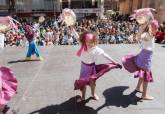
(47, 87)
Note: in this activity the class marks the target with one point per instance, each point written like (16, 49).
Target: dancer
(30, 35)
(8, 82)
(8, 87)
(140, 64)
(90, 72)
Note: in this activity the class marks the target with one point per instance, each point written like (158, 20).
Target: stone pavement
(47, 87)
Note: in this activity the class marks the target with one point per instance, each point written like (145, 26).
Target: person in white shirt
(140, 64)
(90, 72)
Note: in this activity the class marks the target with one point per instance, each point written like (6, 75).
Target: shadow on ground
(114, 97)
(19, 61)
(67, 107)
(5, 109)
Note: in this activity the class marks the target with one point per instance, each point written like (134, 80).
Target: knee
(92, 83)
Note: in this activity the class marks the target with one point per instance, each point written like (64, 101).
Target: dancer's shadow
(163, 46)
(67, 107)
(114, 97)
(5, 109)
(19, 61)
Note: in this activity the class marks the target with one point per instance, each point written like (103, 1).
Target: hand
(120, 66)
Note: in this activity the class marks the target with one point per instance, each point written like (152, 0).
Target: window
(3, 2)
(162, 4)
(139, 4)
(43, 5)
(36, 5)
(152, 3)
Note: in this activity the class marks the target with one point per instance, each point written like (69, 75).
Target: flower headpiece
(144, 15)
(86, 36)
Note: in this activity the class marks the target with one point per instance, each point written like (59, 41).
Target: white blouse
(90, 56)
(148, 45)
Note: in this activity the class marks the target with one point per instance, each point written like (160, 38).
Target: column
(59, 5)
(93, 2)
(102, 8)
(28, 5)
(69, 3)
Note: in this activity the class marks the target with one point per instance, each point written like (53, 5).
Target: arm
(99, 51)
(106, 56)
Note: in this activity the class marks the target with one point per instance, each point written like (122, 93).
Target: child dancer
(140, 64)
(90, 72)
(8, 87)
(32, 44)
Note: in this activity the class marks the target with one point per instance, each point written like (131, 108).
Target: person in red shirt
(160, 35)
(30, 35)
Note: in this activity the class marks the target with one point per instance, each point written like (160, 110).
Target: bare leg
(1, 109)
(93, 87)
(144, 94)
(83, 93)
(139, 85)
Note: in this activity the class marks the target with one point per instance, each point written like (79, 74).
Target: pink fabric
(101, 69)
(5, 20)
(8, 21)
(68, 12)
(86, 37)
(155, 24)
(147, 75)
(144, 12)
(9, 85)
(83, 47)
(129, 64)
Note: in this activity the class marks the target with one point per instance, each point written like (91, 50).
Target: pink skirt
(8, 84)
(129, 63)
(91, 72)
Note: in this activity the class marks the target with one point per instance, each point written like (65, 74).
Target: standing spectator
(160, 35)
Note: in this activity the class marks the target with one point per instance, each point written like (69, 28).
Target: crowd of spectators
(55, 32)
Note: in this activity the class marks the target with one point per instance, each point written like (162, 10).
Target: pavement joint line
(75, 92)
(16, 109)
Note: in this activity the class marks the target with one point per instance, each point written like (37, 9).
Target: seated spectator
(160, 35)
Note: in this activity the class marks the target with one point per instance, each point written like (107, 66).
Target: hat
(143, 15)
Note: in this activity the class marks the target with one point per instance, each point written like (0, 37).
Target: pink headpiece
(143, 15)
(87, 36)
(8, 23)
(144, 12)
(155, 24)
(68, 16)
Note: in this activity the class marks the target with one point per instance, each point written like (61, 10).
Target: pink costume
(141, 63)
(89, 70)
(8, 85)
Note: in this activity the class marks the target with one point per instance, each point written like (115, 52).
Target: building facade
(54, 7)
(128, 6)
(6, 7)
(26, 8)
